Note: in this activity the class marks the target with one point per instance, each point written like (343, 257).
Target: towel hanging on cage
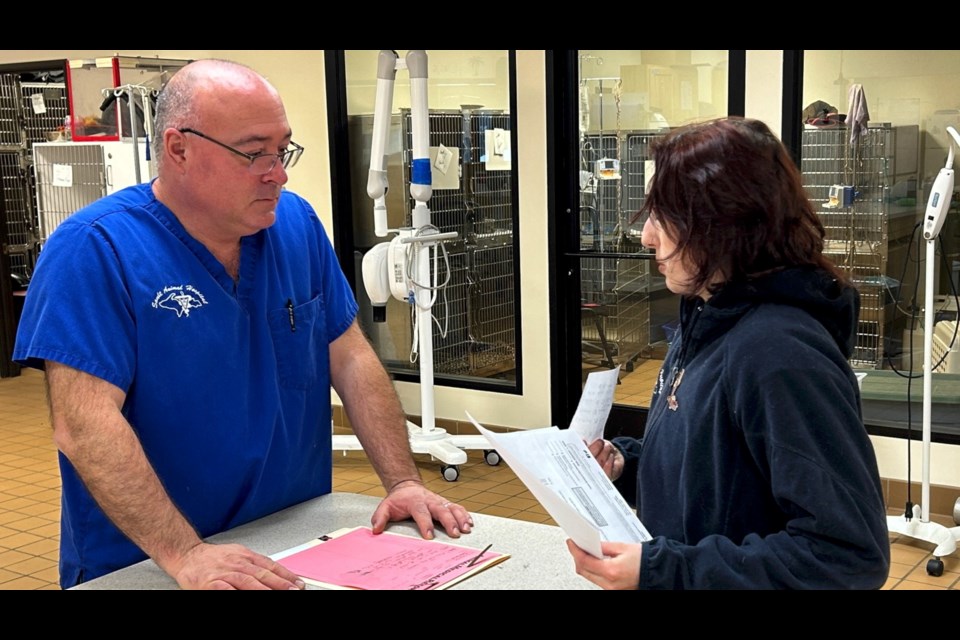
(857, 113)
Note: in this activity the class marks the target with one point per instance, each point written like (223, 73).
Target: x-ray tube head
(376, 279)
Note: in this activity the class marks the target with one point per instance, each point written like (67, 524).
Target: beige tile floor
(30, 493)
(636, 386)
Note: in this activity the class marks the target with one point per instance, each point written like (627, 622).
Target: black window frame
(342, 199)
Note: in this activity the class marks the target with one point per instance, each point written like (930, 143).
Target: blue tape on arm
(420, 171)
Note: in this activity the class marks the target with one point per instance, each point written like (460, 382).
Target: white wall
(764, 95)
(455, 78)
(901, 86)
(892, 459)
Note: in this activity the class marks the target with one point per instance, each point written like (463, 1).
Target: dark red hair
(732, 199)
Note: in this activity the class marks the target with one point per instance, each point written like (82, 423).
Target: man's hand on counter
(410, 499)
(231, 566)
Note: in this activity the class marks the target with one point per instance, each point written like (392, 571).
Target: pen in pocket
(293, 322)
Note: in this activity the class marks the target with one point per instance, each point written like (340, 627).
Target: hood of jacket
(834, 305)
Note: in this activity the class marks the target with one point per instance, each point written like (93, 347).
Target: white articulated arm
(377, 182)
(420, 176)
(401, 267)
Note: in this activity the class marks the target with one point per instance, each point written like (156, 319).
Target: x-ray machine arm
(401, 267)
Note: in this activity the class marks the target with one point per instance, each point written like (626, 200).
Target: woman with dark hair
(755, 469)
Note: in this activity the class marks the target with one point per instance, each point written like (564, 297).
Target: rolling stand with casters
(916, 521)
(401, 267)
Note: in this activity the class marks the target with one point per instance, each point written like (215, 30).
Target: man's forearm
(380, 425)
(92, 433)
(374, 409)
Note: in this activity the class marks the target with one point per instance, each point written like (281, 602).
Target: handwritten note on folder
(558, 468)
(358, 559)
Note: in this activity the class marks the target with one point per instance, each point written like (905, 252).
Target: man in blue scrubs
(191, 330)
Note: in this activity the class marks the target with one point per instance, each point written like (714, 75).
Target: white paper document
(595, 403)
(36, 101)
(497, 154)
(63, 175)
(560, 471)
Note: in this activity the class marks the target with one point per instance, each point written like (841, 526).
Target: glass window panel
(476, 322)
(872, 189)
(627, 99)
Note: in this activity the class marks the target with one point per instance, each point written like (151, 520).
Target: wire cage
(20, 227)
(11, 138)
(615, 326)
(43, 108)
(69, 177)
(614, 290)
(477, 309)
(863, 193)
(28, 112)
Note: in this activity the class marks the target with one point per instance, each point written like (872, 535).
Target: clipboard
(356, 559)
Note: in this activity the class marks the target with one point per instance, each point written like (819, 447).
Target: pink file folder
(358, 559)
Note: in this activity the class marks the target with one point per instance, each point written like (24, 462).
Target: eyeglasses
(260, 163)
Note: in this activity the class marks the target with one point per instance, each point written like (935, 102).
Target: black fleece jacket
(762, 475)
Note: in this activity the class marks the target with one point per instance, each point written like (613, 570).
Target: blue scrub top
(227, 390)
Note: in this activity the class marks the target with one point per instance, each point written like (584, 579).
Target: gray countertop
(539, 557)
(886, 412)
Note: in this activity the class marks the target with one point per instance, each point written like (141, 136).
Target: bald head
(203, 90)
(213, 118)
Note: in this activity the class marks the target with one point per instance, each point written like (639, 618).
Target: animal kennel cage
(614, 280)
(866, 196)
(32, 105)
(71, 175)
(481, 323)
(477, 309)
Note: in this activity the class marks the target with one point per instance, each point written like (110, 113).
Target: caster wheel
(450, 473)
(491, 457)
(935, 567)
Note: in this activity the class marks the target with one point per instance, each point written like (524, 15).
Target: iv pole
(128, 93)
(917, 524)
(387, 265)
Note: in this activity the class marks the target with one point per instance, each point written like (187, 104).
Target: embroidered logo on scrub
(181, 299)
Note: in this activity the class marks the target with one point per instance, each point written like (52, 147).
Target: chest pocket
(300, 343)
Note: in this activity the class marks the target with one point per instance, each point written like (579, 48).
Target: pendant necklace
(672, 403)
